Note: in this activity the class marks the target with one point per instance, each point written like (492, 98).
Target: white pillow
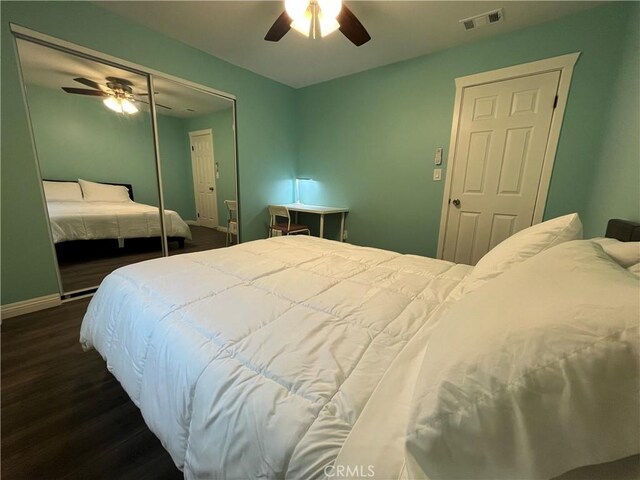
(625, 253)
(99, 192)
(534, 375)
(529, 242)
(62, 191)
(518, 248)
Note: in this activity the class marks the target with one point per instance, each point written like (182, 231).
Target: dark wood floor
(63, 414)
(85, 264)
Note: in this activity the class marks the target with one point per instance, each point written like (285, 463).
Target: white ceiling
(54, 69)
(234, 31)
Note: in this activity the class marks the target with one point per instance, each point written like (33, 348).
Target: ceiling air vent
(478, 21)
(468, 24)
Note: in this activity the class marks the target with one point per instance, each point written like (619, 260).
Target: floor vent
(478, 21)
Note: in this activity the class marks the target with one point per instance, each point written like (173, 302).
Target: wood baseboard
(32, 305)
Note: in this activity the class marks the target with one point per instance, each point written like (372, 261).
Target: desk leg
(342, 228)
(321, 225)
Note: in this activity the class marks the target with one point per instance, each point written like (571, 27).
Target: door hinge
(198, 214)
(555, 102)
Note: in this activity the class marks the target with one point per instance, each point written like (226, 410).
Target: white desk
(322, 211)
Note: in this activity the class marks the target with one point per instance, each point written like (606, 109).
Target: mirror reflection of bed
(93, 131)
(99, 227)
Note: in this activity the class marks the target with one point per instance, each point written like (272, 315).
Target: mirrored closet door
(198, 163)
(94, 142)
(112, 154)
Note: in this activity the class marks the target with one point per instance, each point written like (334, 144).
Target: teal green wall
(175, 160)
(222, 125)
(368, 140)
(86, 140)
(616, 187)
(265, 116)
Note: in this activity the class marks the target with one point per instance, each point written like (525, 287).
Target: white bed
(278, 358)
(309, 325)
(110, 220)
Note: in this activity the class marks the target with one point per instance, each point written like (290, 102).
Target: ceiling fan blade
(157, 104)
(92, 84)
(279, 28)
(85, 91)
(351, 27)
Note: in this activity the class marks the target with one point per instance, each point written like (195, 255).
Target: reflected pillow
(99, 192)
(62, 191)
(533, 375)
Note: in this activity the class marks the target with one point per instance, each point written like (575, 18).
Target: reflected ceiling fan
(118, 93)
(318, 17)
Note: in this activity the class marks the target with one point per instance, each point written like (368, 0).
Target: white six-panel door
(501, 143)
(204, 177)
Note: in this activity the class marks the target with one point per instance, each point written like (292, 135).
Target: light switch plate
(437, 174)
(438, 158)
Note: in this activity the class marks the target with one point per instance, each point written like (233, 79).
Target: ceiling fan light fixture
(327, 25)
(129, 107)
(309, 15)
(303, 23)
(120, 105)
(314, 18)
(296, 9)
(330, 8)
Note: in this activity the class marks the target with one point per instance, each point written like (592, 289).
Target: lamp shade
(308, 15)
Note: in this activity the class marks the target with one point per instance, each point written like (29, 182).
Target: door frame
(564, 64)
(197, 133)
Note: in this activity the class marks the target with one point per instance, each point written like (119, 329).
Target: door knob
(456, 202)
(211, 189)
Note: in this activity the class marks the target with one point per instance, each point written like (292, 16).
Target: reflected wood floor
(85, 264)
(63, 414)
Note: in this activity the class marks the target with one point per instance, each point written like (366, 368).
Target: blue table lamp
(298, 179)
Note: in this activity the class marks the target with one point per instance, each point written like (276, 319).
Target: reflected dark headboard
(128, 186)
(623, 230)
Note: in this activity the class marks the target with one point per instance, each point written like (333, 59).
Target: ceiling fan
(313, 17)
(118, 93)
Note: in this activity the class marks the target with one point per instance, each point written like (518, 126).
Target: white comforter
(257, 360)
(102, 220)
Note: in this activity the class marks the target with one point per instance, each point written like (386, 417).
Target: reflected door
(502, 139)
(198, 161)
(204, 178)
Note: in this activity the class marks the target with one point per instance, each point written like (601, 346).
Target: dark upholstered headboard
(128, 186)
(623, 230)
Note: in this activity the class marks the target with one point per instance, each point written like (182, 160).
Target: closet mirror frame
(26, 34)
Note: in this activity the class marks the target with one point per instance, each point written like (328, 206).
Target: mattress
(258, 360)
(111, 220)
